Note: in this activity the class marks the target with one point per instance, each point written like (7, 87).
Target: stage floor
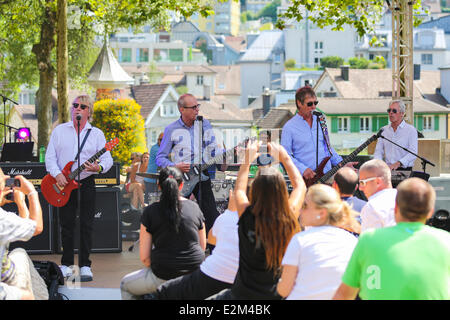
(108, 268)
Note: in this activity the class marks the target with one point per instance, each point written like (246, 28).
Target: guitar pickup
(56, 188)
(195, 170)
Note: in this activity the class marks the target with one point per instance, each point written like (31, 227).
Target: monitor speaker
(42, 243)
(106, 233)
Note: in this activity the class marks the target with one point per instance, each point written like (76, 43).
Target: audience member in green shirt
(409, 261)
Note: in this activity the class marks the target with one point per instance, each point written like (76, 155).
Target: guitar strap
(323, 126)
(82, 144)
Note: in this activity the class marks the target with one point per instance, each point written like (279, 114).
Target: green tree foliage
(360, 14)
(121, 119)
(331, 62)
(28, 39)
(269, 11)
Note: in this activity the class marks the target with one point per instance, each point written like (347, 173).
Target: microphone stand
(317, 114)
(4, 117)
(78, 189)
(424, 161)
(200, 167)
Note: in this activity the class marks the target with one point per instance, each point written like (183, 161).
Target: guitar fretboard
(347, 159)
(73, 174)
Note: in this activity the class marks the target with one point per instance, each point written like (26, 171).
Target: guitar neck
(347, 159)
(73, 174)
(217, 158)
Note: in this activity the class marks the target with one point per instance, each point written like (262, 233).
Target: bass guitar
(58, 196)
(322, 178)
(191, 178)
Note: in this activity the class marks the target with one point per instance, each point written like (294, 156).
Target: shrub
(358, 63)
(122, 119)
(289, 63)
(331, 62)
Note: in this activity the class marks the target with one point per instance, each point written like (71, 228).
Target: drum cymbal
(148, 175)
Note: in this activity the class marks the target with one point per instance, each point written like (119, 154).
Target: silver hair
(379, 168)
(400, 103)
(85, 99)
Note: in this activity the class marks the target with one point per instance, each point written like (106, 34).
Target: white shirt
(223, 263)
(405, 136)
(13, 228)
(379, 210)
(63, 148)
(321, 255)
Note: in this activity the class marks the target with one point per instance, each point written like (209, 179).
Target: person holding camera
(19, 279)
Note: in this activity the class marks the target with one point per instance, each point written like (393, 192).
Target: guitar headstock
(111, 144)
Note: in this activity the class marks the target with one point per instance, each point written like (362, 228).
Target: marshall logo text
(16, 172)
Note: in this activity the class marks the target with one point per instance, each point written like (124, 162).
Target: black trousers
(207, 203)
(67, 221)
(193, 286)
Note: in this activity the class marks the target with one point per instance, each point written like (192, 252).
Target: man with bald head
(375, 182)
(345, 182)
(408, 261)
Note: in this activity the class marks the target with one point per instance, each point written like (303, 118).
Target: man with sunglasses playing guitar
(180, 148)
(299, 136)
(63, 148)
(402, 134)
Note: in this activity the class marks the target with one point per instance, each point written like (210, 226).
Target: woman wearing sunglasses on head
(401, 133)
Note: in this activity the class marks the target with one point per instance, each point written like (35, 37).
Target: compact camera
(11, 182)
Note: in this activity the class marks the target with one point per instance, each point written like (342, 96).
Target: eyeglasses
(364, 182)
(310, 104)
(82, 106)
(197, 106)
(393, 110)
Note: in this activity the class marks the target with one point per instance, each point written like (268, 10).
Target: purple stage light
(23, 134)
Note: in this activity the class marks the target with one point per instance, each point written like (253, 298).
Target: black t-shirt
(253, 279)
(174, 254)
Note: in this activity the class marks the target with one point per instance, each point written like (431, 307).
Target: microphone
(317, 113)
(78, 117)
(200, 118)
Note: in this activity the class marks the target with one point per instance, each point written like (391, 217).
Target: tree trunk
(62, 62)
(43, 51)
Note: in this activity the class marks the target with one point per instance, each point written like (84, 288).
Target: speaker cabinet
(441, 216)
(44, 242)
(106, 233)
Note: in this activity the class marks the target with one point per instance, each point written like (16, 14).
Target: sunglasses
(82, 106)
(310, 104)
(393, 110)
(197, 106)
(364, 182)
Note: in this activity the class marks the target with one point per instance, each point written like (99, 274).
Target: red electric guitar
(57, 196)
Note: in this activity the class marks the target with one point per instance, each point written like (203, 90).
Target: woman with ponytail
(172, 238)
(316, 258)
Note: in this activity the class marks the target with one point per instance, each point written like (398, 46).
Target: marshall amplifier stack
(107, 233)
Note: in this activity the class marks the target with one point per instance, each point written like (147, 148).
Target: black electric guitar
(191, 178)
